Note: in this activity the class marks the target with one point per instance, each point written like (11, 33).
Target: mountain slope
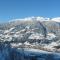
(38, 32)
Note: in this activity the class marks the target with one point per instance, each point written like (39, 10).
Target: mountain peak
(56, 19)
(38, 18)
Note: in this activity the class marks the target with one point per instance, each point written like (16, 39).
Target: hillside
(34, 32)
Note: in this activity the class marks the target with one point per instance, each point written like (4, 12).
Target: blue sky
(13, 9)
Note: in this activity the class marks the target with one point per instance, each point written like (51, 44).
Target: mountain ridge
(38, 18)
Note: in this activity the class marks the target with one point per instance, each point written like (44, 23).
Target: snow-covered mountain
(32, 18)
(32, 29)
(32, 33)
(57, 19)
